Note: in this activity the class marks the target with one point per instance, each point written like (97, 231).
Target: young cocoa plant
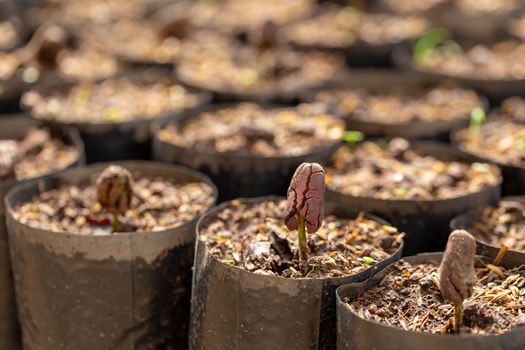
(457, 272)
(305, 203)
(114, 192)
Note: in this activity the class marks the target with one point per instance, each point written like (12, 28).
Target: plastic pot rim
(92, 168)
(417, 143)
(221, 206)
(339, 300)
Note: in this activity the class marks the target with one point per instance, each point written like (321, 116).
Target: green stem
(116, 223)
(301, 235)
(458, 310)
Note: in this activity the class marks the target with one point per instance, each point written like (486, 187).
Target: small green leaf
(388, 228)
(483, 167)
(477, 118)
(111, 114)
(520, 143)
(426, 44)
(248, 77)
(353, 137)
(368, 260)
(400, 192)
(228, 261)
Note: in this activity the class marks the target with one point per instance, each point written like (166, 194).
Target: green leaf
(111, 114)
(228, 261)
(388, 228)
(248, 77)
(477, 118)
(353, 137)
(400, 192)
(483, 167)
(426, 44)
(520, 143)
(368, 260)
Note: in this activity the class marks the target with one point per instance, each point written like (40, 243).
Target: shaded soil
(87, 63)
(246, 69)
(502, 225)
(234, 15)
(343, 27)
(110, 101)
(409, 298)
(393, 170)
(8, 65)
(250, 129)
(157, 204)
(38, 153)
(500, 61)
(502, 138)
(254, 237)
(400, 105)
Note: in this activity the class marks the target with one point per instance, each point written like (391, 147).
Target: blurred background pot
(372, 80)
(118, 140)
(236, 175)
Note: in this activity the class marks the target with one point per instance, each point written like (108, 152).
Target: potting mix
(311, 174)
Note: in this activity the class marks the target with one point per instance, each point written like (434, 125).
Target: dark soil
(344, 27)
(399, 105)
(157, 204)
(110, 101)
(38, 153)
(408, 297)
(254, 237)
(393, 170)
(250, 129)
(502, 226)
